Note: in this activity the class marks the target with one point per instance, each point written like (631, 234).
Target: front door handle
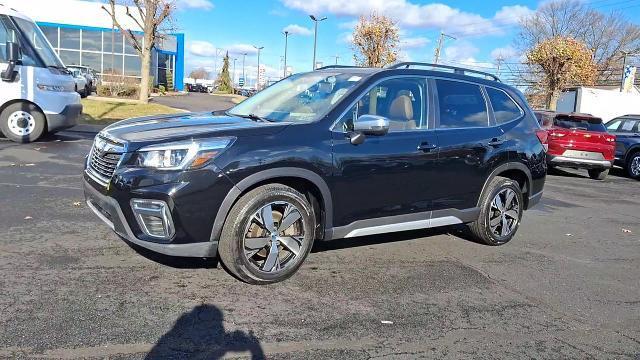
(496, 142)
(426, 147)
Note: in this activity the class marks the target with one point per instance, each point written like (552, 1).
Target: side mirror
(371, 125)
(13, 52)
(13, 56)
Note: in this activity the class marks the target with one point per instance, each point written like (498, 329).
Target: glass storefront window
(92, 60)
(108, 60)
(51, 33)
(117, 42)
(128, 48)
(70, 39)
(132, 65)
(91, 40)
(70, 57)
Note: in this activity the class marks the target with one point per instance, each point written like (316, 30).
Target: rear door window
(462, 105)
(504, 108)
(586, 124)
(629, 126)
(613, 125)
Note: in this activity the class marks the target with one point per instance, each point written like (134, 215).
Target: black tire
(231, 248)
(598, 174)
(630, 160)
(37, 123)
(481, 228)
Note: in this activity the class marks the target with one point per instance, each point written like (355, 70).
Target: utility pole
(258, 77)
(337, 57)
(316, 20)
(286, 41)
(440, 44)
(499, 61)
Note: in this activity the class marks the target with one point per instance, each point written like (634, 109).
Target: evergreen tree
(224, 80)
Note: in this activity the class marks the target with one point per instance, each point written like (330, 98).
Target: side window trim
(495, 122)
(427, 88)
(437, 103)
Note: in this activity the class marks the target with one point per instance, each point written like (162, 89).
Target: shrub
(121, 87)
(161, 89)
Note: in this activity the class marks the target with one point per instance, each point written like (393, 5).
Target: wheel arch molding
(513, 171)
(272, 176)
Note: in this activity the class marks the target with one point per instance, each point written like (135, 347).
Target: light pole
(258, 77)
(286, 41)
(244, 80)
(234, 71)
(316, 20)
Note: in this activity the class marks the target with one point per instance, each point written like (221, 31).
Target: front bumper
(109, 211)
(65, 119)
(578, 163)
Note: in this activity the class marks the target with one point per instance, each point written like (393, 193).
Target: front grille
(104, 158)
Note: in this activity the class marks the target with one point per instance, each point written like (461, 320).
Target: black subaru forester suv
(336, 153)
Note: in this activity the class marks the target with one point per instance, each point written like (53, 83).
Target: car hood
(174, 127)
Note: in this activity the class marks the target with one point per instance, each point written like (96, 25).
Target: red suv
(578, 141)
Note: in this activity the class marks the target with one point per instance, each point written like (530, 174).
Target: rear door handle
(496, 142)
(426, 147)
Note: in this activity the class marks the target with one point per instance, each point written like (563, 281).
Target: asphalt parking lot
(568, 285)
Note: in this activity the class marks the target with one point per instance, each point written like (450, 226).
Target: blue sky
(483, 29)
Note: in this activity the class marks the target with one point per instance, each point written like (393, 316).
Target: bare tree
(606, 35)
(199, 73)
(150, 17)
(375, 41)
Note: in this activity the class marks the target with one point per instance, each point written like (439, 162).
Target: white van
(36, 91)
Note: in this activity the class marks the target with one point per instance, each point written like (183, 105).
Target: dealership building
(82, 33)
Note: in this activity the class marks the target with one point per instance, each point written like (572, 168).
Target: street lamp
(316, 20)
(286, 40)
(258, 77)
(234, 71)
(244, 80)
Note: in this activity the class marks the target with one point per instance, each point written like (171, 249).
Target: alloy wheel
(274, 237)
(21, 123)
(634, 167)
(505, 213)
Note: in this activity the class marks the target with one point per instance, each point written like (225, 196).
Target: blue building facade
(108, 52)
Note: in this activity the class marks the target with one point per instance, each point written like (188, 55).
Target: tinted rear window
(592, 124)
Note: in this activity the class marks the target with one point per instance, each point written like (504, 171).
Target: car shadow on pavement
(175, 261)
(459, 231)
(200, 334)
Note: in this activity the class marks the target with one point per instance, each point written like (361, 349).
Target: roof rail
(337, 67)
(456, 70)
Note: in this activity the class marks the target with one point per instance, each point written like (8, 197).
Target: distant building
(82, 33)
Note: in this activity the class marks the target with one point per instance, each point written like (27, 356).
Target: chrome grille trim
(104, 158)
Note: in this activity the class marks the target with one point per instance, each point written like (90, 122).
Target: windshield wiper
(251, 116)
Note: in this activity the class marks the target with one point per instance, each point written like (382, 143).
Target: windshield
(300, 98)
(38, 43)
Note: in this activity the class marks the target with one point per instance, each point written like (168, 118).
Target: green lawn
(95, 111)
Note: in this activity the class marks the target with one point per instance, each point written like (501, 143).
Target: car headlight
(180, 155)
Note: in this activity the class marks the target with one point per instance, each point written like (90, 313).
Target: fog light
(154, 218)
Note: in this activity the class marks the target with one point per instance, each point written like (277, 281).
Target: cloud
(294, 29)
(412, 15)
(512, 15)
(194, 4)
(505, 52)
(413, 42)
(345, 38)
(239, 49)
(460, 50)
(201, 48)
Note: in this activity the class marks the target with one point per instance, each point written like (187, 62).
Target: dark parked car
(627, 131)
(336, 153)
(578, 141)
(196, 88)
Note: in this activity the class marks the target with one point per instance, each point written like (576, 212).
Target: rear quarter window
(504, 108)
